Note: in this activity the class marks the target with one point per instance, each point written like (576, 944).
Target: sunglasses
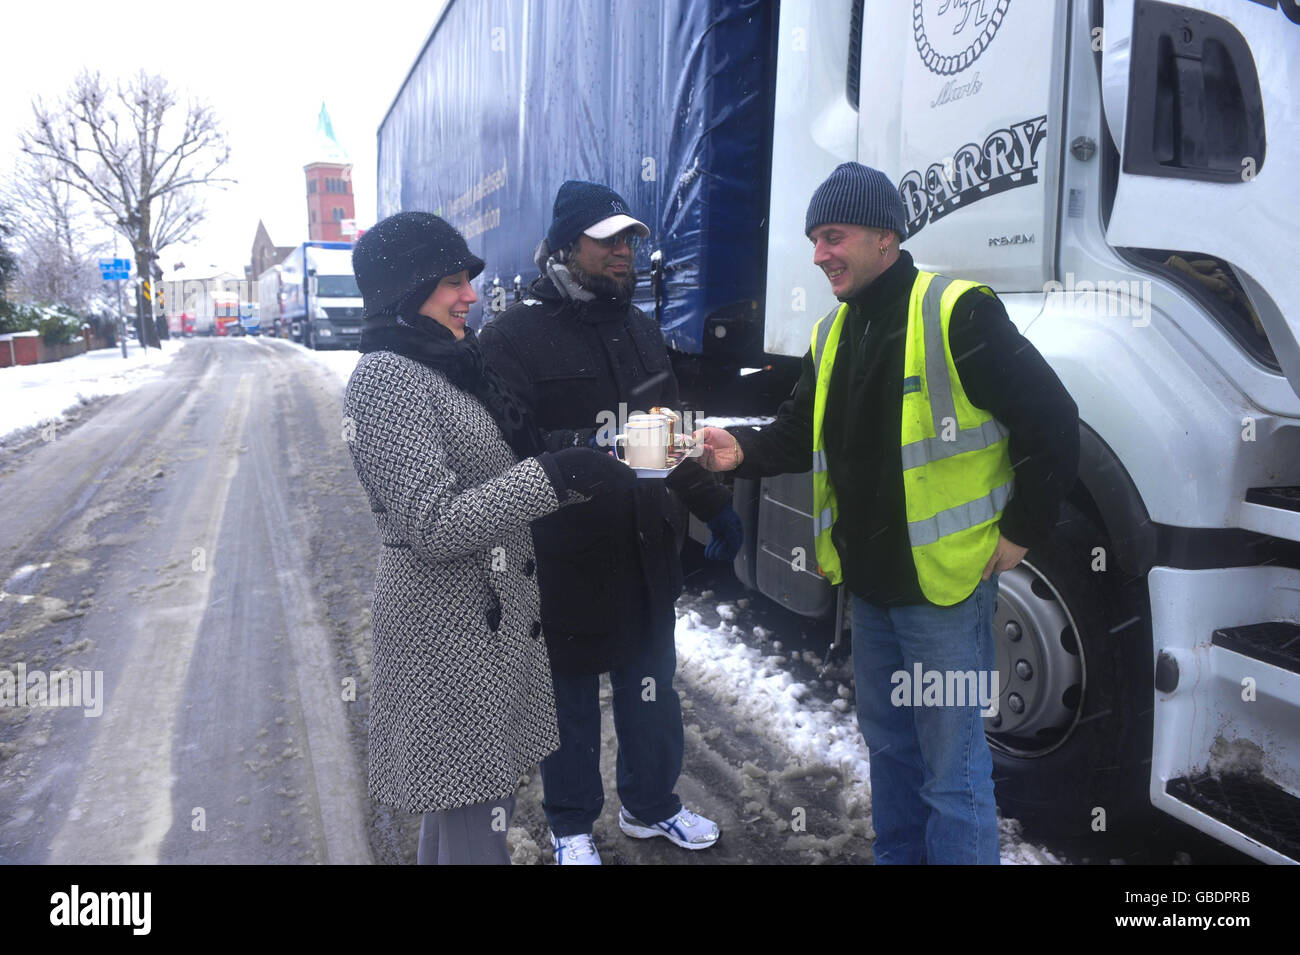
(628, 235)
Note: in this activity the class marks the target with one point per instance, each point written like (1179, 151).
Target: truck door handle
(1195, 109)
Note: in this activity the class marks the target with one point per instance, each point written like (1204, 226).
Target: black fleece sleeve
(499, 352)
(785, 445)
(1004, 374)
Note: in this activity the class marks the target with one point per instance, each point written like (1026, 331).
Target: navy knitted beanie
(857, 195)
(580, 205)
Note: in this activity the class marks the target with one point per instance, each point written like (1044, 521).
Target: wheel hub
(1040, 666)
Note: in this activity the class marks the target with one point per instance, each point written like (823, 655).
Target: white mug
(646, 442)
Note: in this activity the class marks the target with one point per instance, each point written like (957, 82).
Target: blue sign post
(114, 269)
(117, 270)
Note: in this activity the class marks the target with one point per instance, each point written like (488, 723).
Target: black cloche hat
(405, 252)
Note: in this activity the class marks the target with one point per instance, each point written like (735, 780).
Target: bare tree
(141, 171)
(54, 245)
(8, 261)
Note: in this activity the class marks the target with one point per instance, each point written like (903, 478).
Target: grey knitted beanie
(857, 195)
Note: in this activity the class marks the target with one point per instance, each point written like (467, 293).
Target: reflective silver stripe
(936, 352)
(823, 333)
(922, 452)
(823, 522)
(819, 462)
(959, 518)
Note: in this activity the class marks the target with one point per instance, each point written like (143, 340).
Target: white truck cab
(320, 300)
(1126, 176)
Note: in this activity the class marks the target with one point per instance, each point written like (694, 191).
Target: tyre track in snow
(217, 742)
(69, 504)
(126, 788)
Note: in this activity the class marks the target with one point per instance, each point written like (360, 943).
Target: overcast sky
(263, 66)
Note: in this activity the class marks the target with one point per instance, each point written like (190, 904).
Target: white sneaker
(575, 850)
(686, 829)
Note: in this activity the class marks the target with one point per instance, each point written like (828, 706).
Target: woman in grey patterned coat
(461, 702)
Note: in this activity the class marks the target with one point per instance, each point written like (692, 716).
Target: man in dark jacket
(582, 356)
(926, 485)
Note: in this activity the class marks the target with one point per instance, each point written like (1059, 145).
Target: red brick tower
(329, 187)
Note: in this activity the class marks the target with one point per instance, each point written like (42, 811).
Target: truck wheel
(1071, 741)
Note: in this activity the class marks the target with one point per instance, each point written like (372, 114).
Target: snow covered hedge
(57, 323)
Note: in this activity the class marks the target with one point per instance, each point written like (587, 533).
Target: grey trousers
(466, 835)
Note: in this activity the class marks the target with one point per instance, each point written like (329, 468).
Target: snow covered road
(153, 545)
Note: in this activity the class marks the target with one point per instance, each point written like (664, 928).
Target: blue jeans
(931, 770)
(648, 723)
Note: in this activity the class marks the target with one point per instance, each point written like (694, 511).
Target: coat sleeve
(500, 352)
(785, 445)
(1005, 375)
(399, 453)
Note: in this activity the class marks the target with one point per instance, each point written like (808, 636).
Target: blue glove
(728, 535)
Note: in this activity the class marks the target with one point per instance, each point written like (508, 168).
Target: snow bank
(714, 421)
(34, 394)
(764, 695)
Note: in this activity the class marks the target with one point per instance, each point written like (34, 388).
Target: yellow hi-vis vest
(957, 474)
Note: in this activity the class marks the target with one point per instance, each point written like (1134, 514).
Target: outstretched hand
(721, 449)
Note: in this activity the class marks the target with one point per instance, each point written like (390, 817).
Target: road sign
(114, 269)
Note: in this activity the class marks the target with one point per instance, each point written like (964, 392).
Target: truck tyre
(1071, 741)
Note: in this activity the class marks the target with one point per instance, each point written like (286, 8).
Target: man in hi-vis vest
(941, 446)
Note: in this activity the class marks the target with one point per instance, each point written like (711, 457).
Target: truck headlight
(324, 332)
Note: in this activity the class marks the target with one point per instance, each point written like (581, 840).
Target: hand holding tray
(684, 447)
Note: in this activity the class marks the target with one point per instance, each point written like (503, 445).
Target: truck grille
(344, 314)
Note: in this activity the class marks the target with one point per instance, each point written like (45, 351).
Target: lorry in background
(180, 325)
(1117, 171)
(249, 319)
(200, 309)
(270, 303)
(319, 301)
(224, 309)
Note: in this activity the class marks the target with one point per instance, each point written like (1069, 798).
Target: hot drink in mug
(645, 445)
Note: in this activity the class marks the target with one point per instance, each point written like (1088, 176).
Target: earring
(884, 249)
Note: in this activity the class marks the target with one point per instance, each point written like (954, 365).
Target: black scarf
(424, 340)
